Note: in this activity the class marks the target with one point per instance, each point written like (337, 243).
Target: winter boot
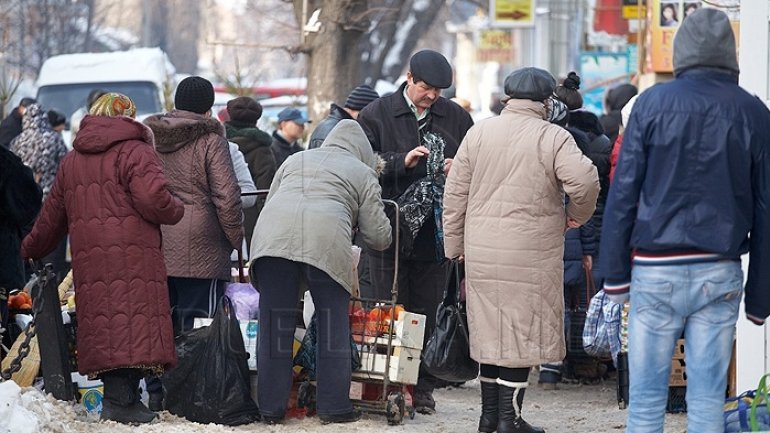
(155, 402)
(550, 375)
(489, 405)
(121, 400)
(511, 396)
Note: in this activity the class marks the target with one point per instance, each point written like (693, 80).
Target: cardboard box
(678, 373)
(679, 349)
(404, 365)
(410, 330)
(249, 332)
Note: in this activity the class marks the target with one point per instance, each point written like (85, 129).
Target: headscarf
(113, 104)
(556, 110)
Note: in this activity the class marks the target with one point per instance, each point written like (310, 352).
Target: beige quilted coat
(196, 162)
(504, 209)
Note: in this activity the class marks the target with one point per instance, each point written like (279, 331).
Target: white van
(143, 74)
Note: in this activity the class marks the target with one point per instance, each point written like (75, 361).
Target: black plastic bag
(211, 381)
(447, 353)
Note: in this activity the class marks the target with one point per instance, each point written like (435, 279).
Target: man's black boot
(511, 396)
(121, 400)
(489, 405)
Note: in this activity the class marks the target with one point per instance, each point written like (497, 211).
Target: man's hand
(447, 166)
(414, 155)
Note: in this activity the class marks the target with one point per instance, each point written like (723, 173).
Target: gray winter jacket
(317, 198)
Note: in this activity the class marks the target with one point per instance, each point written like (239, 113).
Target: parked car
(272, 106)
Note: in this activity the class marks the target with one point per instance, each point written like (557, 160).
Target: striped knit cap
(360, 97)
(113, 104)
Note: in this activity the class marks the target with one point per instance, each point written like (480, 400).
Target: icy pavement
(569, 409)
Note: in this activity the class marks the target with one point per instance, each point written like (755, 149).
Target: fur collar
(176, 129)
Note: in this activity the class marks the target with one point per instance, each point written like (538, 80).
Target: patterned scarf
(425, 197)
(113, 104)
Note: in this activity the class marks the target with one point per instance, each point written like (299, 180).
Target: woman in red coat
(110, 195)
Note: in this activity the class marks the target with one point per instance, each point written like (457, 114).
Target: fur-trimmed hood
(176, 129)
(250, 137)
(348, 135)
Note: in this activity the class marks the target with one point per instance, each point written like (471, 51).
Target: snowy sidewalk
(569, 409)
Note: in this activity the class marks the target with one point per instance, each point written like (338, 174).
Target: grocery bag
(748, 412)
(447, 353)
(211, 381)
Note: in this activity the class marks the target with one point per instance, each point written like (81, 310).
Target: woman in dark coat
(110, 195)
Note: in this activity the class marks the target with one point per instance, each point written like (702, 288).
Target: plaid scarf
(425, 197)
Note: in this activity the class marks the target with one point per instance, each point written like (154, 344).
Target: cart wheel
(394, 411)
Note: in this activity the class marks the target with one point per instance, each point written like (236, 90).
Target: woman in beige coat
(504, 211)
(303, 235)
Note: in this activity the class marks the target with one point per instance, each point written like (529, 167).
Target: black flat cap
(530, 83)
(431, 67)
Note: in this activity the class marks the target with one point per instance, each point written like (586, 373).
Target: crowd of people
(536, 203)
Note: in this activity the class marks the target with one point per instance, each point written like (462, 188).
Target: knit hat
(529, 83)
(56, 118)
(705, 38)
(432, 68)
(244, 110)
(113, 104)
(360, 97)
(194, 94)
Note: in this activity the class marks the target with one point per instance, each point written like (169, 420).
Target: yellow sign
(632, 10)
(512, 13)
(495, 46)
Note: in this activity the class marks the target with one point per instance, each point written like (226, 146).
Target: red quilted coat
(111, 196)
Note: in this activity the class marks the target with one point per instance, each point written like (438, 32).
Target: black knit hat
(194, 94)
(360, 97)
(244, 110)
(56, 118)
(432, 68)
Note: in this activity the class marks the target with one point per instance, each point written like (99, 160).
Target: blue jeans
(702, 300)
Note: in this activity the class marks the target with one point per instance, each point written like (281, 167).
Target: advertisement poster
(495, 46)
(599, 72)
(665, 18)
(512, 13)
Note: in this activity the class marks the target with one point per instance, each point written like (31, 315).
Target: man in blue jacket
(691, 185)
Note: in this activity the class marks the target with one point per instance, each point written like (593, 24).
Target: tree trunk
(332, 52)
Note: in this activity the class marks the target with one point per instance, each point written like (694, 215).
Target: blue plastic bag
(748, 412)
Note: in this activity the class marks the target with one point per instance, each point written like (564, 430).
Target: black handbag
(447, 354)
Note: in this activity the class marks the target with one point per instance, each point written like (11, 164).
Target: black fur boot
(489, 405)
(511, 398)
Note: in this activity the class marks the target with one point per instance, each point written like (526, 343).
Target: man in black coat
(400, 128)
(20, 201)
(358, 99)
(10, 127)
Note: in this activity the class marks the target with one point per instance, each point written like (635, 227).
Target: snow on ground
(569, 409)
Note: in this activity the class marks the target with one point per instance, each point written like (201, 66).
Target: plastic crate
(676, 399)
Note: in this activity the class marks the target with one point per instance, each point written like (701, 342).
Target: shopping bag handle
(452, 291)
(241, 275)
(761, 394)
